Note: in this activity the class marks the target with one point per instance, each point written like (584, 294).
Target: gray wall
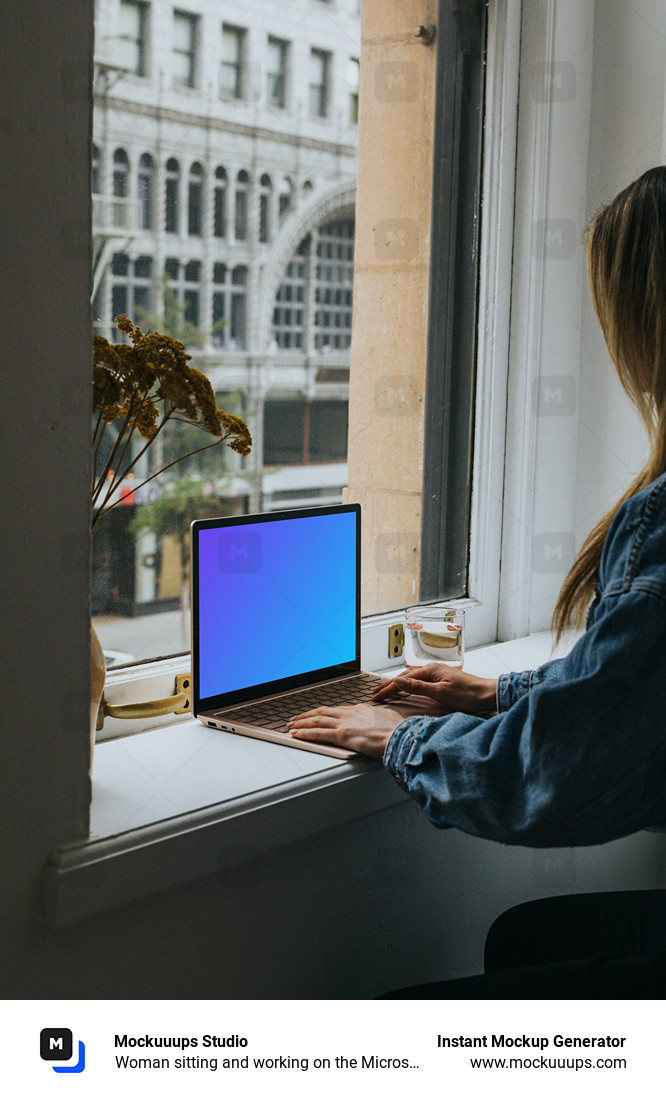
(44, 215)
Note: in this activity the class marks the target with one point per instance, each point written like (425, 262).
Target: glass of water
(434, 634)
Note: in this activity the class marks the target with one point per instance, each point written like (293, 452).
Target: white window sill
(181, 801)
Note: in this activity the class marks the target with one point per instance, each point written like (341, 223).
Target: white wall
(591, 120)
(626, 138)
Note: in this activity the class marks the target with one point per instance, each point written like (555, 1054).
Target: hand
(447, 689)
(361, 728)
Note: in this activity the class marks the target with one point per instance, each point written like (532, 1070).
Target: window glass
(195, 201)
(131, 51)
(231, 62)
(241, 206)
(265, 208)
(172, 196)
(220, 203)
(353, 82)
(145, 190)
(276, 72)
(184, 49)
(319, 78)
(219, 228)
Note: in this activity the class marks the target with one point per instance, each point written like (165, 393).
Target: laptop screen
(275, 601)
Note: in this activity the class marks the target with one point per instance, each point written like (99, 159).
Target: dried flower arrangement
(140, 387)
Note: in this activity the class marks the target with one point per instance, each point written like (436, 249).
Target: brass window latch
(179, 703)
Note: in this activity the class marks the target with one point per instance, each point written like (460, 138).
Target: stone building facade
(224, 175)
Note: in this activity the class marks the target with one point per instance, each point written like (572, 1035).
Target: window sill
(181, 801)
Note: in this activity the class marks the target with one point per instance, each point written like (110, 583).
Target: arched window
(120, 174)
(265, 189)
(334, 285)
(172, 195)
(145, 187)
(96, 170)
(120, 187)
(220, 203)
(285, 198)
(307, 187)
(324, 262)
(241, 206)
(289, 311)
(195, 200)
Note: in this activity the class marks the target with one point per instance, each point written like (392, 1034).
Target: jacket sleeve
(511, 686)
(579, 758)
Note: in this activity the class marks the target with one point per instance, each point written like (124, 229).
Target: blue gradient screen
(276, 599)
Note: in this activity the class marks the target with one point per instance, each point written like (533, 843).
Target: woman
(576, 751)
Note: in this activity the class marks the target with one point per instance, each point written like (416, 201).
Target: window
(232, 62)
(96, 177)
(289, 311)
(195, 201)
(185, 29)
(285, 198)
(220, 203)
(313, 307)
(172, 196)
(276, 72)
(297, 432)
(451, 371)
(211, 190)
(145, 181)
(265, 208)
(133, 28)
(241, 206)
(238, 308)
(120, 174)
(131, 288)
(120, 184)
(353, 82)
(185, 281)
(334, 282)
(320, 61)
(230, 307)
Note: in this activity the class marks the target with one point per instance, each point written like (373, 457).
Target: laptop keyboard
(274, 714)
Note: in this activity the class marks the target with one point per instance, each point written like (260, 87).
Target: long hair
(626, 258)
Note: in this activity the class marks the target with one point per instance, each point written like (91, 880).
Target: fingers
(322, 724)
(362, 728)
(391, 687)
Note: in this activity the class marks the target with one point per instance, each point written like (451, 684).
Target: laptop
(276, 620)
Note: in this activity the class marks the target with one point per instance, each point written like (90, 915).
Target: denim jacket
(577, 751)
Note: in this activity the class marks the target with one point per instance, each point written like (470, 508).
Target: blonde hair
(626, 258)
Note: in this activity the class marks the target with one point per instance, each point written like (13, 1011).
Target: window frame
(193, 21)
(231, 32)
(281, 48)
(325, 58)
(154, 679)
(142, 8)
